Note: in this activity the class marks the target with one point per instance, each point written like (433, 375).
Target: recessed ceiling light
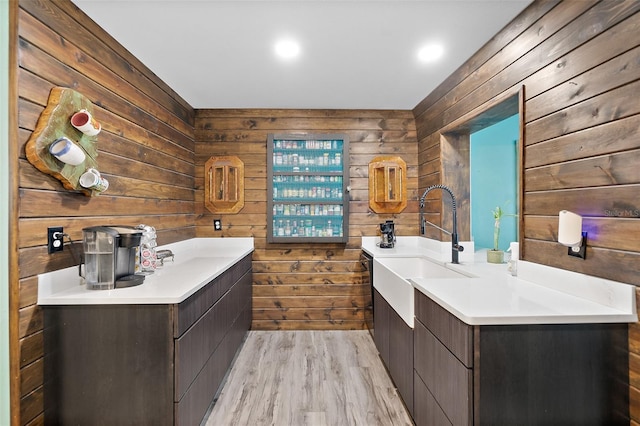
(430, 52)
(287, 49)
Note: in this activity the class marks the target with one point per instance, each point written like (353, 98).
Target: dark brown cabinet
(145, 364)
(394, 340)
(545, 374)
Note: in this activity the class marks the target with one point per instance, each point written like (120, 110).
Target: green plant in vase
(495, 255)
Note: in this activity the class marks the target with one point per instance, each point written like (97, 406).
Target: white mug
(92, 179)
(67, 151)
(83, 121)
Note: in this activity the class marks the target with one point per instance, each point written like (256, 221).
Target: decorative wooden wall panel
(306, 286)
(580, 65)
(146, 152)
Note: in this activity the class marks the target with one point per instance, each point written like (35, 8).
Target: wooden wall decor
(54, 122)
(387, 184)
(224, 184)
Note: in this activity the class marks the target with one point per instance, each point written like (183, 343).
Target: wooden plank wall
(146, 151)
(580, 64)
(305, 286)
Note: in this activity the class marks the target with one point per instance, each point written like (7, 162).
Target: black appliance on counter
(387, 234)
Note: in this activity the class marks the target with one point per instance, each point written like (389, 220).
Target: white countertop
(490, 295)
(197, 262)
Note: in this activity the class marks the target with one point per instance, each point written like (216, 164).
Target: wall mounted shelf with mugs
(64, 144)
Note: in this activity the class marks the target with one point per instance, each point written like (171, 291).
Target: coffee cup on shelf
(92, 179)
(84, 121)
(65, 150)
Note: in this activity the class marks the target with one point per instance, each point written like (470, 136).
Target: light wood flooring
(308, 378)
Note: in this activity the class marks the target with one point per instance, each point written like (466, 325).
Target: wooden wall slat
(31, 407)
(603, 47)
(595, 202)
(307, 266)
(290, 315)
(619, 71)
(311, 324)
(32, 378)
(303, 289)
(33, 232)
(319, 302)
(612, 169)
(612, 105)
(610, 137)
(616, 265)
(327, 280)
(31, 348)
(617, 233)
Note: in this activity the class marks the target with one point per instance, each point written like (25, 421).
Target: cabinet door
(381, 324)
(446, 378)
(307, 188)
(110, 362)
(401, 357)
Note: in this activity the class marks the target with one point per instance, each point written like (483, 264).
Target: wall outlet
(217, 224)
(55, 238)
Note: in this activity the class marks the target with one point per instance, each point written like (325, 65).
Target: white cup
(67, 151)
(92, 179)
(83, 121)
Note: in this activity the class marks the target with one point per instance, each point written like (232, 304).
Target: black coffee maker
(387, 235)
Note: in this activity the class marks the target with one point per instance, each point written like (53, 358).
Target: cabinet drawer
(453, 333)
(194, 348)
(191, 409)
(426, 410)
(189, 311)
(446, 378)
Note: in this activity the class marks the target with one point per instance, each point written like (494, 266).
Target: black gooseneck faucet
(455, 247)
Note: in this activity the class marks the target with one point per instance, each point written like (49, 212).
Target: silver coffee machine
(110, 257)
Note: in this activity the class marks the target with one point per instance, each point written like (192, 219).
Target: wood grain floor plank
(310, 378)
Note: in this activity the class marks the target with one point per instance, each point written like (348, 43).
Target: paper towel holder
(570, 233)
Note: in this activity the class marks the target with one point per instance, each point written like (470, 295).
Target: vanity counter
(197, 261)
(487, 294)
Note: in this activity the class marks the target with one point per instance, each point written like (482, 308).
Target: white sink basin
(391, 277)
(418, 267)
